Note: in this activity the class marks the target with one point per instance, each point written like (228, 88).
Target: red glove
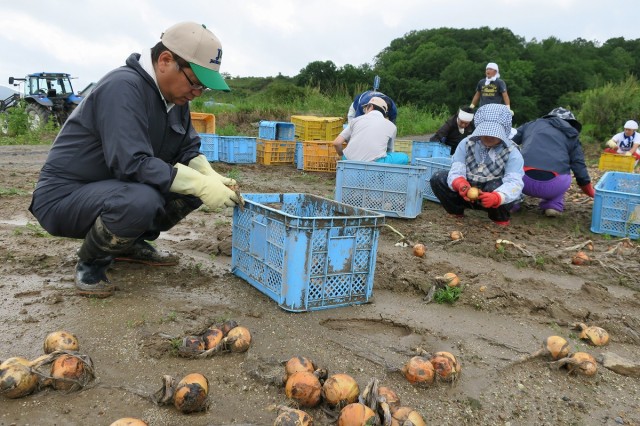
(490, 200)
(461, 185)
(588, 189)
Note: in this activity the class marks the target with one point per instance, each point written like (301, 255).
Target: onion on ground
(418, 370)
(297, 363)
(212, 337)
(340, 390)
(578, 363)
(580, 258)
(70, 372)
(60, 341)
(555, 347)
(407, 415)
(456, 235)
(446, 366)
(129, 421)
(356, 414)
(288, 416)
(227, 326)
(191, 393)
(450, 279)
(597, 336)
(17, 380)
(304, 388)
(238, 339)
(419, 250)
(388, 396)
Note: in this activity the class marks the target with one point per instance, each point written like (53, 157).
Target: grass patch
(447, 295)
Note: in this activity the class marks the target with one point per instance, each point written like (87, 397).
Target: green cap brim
(211, 79)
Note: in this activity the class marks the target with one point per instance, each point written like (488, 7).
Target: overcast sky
(87, 38)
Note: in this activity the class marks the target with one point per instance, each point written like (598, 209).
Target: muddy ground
(512, 300)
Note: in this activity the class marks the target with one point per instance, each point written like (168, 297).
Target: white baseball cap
(377, 101)
(197, 45)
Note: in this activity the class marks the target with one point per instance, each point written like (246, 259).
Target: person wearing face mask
(491, 89)
(126, 165)
(487, 160)
(456, 128)
(625, 142)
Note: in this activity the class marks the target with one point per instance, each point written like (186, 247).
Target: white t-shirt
(626, 143)
(369, 137)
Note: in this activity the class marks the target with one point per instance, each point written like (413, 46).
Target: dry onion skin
(418, 370)
(129, 421)
(212, 337)
(297, 363)
(238, 339)
(578, 363)
(15, 360)
(340, 390)
(304, 388)
(17, 380)
(407, 415)
(357, 414)
(191, 393)
(597, 336)
(419, 250)
(291, 417)
(60, 341)
(387, 395)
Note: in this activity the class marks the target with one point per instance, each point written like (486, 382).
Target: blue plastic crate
(616, 205)
(299, 155)
(209, 146)
(432, 165)
(392, 189)
(276, 130)
(305, 252)
(422, 149)
(237, 149)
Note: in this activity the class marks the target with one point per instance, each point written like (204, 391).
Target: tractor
(46, 95)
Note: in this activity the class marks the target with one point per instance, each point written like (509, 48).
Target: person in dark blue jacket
(551, 150)
(356, 109)
(126, 164)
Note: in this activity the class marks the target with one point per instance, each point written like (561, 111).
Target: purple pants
(551, 192)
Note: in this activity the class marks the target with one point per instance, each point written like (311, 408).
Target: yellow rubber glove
(612, 144)
(201, 164)
(213, 193)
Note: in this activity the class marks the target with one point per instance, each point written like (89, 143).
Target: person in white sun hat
(491, 89)
(126, 165)
(487, 160)
(370, 137)
(625, 142)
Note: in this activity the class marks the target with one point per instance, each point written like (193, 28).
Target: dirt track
(512, 300)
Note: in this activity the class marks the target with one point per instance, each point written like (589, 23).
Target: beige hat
(201, 48)
(378, 102)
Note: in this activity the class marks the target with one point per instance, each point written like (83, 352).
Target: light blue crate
(305, 252)
(276, 130)
(391, 189)
(209, 146)
(616, 205)
(299, 155)
(237, 149)
(424, 149)
(432, 165)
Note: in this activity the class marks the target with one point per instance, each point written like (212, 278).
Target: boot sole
(145, 262)
(100, 294)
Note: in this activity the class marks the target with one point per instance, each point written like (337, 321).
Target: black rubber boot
(95, 257)
(143, 252)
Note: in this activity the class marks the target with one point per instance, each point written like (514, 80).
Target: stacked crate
(203, 122)
(314, 142)
(276, 143)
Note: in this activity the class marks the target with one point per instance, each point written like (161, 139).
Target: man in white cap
(487, 160)
(456, 128)
(626, 142)
(126, 164)
(370, 137)
(491, 89)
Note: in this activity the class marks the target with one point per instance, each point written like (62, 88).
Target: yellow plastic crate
(310, 127)
(616, 162)
(319, 156)
(403, 145)
(272, 152)
(203, 122)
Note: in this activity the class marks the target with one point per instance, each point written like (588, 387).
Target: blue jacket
(552, 144)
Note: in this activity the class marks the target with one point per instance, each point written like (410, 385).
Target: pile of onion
(227, 337)
(288, 416)
(191, 393)
(340, 390)
(418, 370)
(129, 421)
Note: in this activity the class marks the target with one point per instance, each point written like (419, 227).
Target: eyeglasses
(193, 85)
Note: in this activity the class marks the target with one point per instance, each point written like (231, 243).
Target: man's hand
(588, 189)
(461, 186)
(213, 193)
(490, 200)
(201, 164)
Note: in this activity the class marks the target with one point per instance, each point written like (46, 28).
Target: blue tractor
(46, 95)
